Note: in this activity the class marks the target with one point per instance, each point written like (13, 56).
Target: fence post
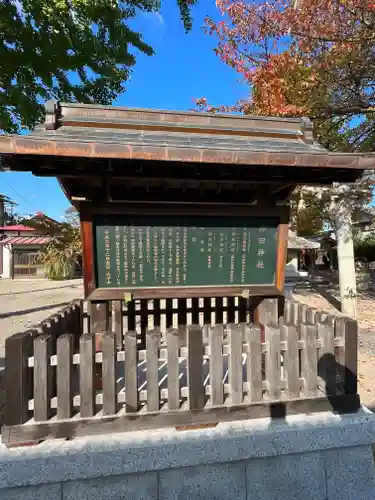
(326, 362)
(109, 373)
(216, 364)
(78, 323)
(78, 331)
(65, 350)
(86, 374)
(272, 336)
(254, 362)
(349, 332)
(173, 369)
(118, 324)
(310, 353)
(291, 360)
(291, 313)
(152, 369)
(305, 337)
(18, 378)
(195, 367)
(131, 372)
(302, 313)
(235, 363)
(42, 377)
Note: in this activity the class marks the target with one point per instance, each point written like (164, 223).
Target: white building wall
(7, 252)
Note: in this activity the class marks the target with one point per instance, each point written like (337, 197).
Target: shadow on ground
(34, 309)
(46, 289)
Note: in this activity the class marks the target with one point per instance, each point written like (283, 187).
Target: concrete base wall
(308, 457)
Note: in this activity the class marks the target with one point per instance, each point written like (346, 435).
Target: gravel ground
(26, 302)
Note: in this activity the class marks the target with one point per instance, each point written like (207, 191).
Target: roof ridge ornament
(53, 113)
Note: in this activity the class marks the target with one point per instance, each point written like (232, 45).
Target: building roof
(319, 238)
(79, 130)
(25, 240)
(17, 227)
(116, 154)
(297, 242)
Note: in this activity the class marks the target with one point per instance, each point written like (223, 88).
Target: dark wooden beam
(282, 187)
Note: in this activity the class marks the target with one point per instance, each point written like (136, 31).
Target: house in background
(19, 247)
(364, 222)
(296, 246)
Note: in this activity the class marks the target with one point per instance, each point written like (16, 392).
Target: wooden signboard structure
(222, 253)
(176, 208)
(178, 204)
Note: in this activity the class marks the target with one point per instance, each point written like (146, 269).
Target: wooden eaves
(129, 154)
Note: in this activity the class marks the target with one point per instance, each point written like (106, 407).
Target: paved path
(26, 302)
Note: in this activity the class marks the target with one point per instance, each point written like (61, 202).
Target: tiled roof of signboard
(78, 130)
(181, 129)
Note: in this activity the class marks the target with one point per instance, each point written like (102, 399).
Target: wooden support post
(99, 322)
(265, 313)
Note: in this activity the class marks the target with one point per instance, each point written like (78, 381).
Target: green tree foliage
(71, 50)
(364, 249)
(64, 248)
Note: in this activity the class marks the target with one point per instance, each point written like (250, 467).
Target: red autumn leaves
(295, 54)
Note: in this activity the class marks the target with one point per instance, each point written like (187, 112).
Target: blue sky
(184, 67)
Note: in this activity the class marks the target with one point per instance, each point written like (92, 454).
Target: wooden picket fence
(161, 314)
(68, 384)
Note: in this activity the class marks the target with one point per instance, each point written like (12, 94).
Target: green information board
(184, 251)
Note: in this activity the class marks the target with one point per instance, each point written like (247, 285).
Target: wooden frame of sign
(90, 213)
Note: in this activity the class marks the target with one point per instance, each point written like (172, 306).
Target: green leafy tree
(64, 248)
(364, 249)
(71, 50)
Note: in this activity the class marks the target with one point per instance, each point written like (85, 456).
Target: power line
(20, 196)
